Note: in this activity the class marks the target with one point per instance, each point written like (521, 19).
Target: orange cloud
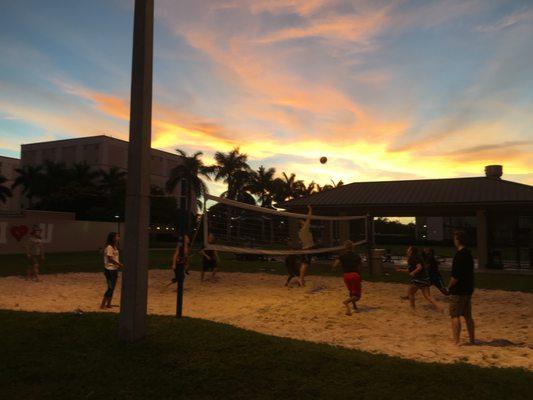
(277, 110)
(358, 28)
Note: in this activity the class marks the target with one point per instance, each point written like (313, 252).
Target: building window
(49, 154)
(28, 157)
(68, 155)
(90, 153)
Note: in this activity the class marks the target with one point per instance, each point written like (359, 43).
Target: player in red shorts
(351, 268)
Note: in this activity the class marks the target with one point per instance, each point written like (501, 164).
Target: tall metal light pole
(132, 323)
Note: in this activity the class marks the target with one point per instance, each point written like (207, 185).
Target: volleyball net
(236, 227)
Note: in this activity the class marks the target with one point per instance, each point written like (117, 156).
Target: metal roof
(453, 191)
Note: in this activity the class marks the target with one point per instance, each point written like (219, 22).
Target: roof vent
(494, 171)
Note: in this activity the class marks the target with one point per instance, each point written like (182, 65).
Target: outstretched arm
(419, 267)
(205, 254)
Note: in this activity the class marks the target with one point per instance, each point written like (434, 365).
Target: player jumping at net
(210, 260)
(351, 271)
(307, 242)
(292, 263)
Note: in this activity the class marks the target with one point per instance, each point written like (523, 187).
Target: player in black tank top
(419, 278)
(209, 260)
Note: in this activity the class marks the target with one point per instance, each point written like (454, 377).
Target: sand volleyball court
(259, 302)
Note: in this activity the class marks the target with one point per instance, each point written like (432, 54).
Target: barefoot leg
(427, 296)
(347, 305)
(411, 294)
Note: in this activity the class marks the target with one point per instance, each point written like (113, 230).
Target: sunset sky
(384, 89)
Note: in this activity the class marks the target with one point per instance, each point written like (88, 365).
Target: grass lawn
(64, 356)
(92, 262)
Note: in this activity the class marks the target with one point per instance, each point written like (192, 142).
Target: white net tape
(247, 229)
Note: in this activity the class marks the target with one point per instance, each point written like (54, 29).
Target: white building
(101, 152)
(7, 169)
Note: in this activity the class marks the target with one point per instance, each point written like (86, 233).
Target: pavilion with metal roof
(492, 200)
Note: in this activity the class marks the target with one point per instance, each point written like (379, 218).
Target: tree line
(100, 194)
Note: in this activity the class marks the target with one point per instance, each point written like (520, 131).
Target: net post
(206, 224)
(369, 228)
(179, 299)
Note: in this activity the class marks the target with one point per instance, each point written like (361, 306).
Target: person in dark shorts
(351, 271)
(419, 278)
(432, 266)
(209, 260)
(292, 263)
(461, 288)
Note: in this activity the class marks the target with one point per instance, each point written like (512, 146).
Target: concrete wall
(58, 235)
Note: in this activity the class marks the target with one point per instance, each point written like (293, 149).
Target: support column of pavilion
(133, 305)
(482, 239)
(370, 242)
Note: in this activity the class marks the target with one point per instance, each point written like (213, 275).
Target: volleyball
(323, 160)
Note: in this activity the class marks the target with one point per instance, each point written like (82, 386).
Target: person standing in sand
(461, 288)
(307, 242)
(111, 267)
(35, 253)
(210, 260)
(419, 278)
(351, 271)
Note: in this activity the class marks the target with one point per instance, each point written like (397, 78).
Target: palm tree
(323, 188)
(226, 168)
(112, 184)
(287, 187)
(261, 184)
(191, 171)
(31, 179)
(83, 175)
(113, 180)
(242, 181)
(5, 192)
(328, 186)
(56, 175)
(308, 190)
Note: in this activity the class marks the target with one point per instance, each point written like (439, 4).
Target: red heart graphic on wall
(18, 232)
